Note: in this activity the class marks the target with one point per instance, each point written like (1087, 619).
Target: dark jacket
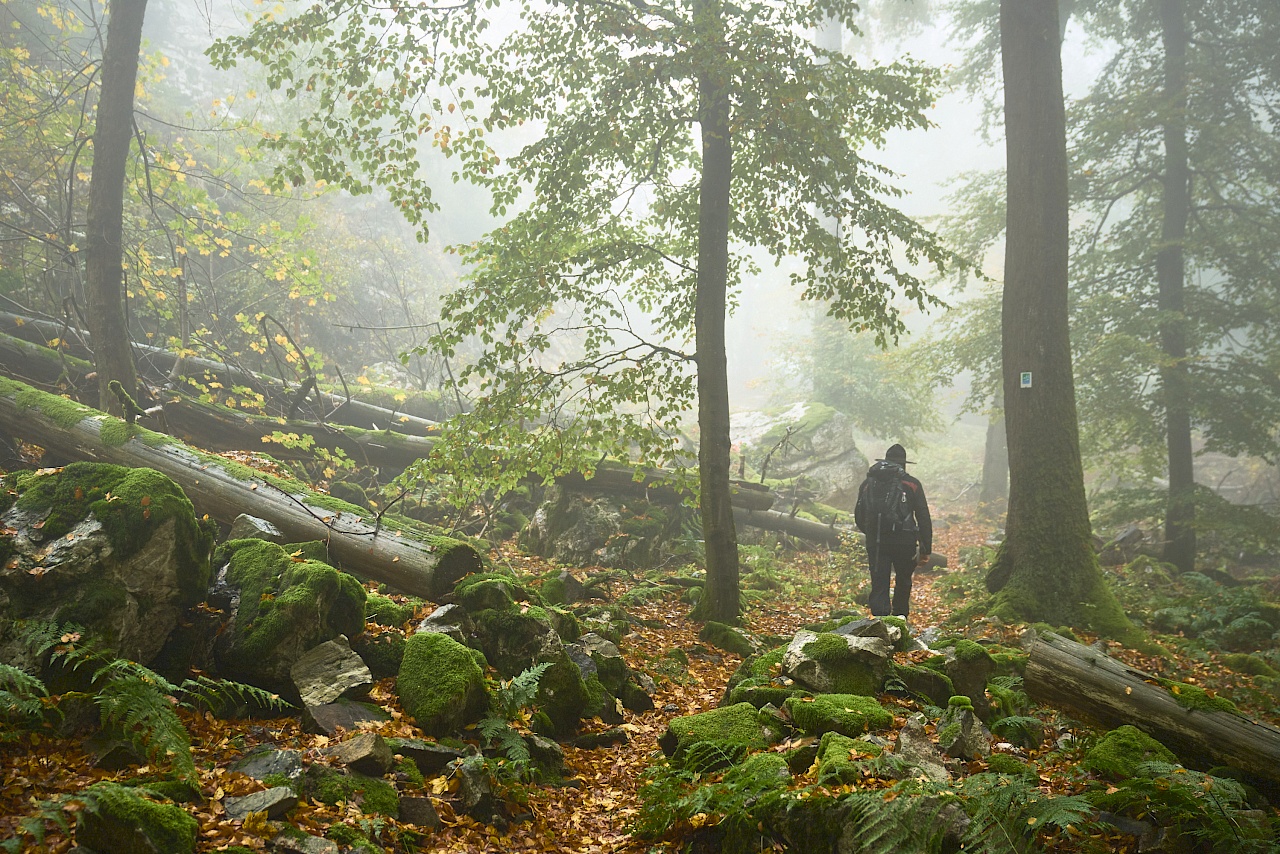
(919, 504)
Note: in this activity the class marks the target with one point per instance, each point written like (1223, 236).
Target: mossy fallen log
(413, 558)
(804, 529)
(156, 363)
(1199, 728)
(614, 479)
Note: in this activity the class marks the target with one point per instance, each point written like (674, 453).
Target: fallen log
(26, 361)
(411, 558)
(1097, 688)
(804, 529)
(656, 486)
(156, 364)
(218, 428)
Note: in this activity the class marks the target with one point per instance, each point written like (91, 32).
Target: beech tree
(670, 140)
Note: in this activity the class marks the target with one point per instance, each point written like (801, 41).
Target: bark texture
(1092, 686)
(104, 233)
(723, 603)
(1179, 521)
(1046, 567)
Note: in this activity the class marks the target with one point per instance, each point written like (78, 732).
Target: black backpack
(886, 497)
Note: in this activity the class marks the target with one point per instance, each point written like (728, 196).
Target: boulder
(430, 758)
(609, 531)
(329, 671)
(246, 527)
(561, 587)
(441, 685)
(366, 753)
(342, 714)
(828, 663)
(286, 607)
(419, 811)
(275, 802)
(729, 638)
(297, 842)
(969, 667)
(838, 757)
(116, 550)
(847, 714)
(611, 668)
(122, 821)
(269, 762)
(961, 734)
(736, 728)
(513, 639)
(915, 749)
(925, 682)
(448, 620)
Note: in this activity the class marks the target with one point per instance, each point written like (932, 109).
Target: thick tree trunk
(714, 446)
(1046, 567)
(410, 558)
(995, 459)
(1092, 686)
(1179, 521)
(104, 233)
(158, 364)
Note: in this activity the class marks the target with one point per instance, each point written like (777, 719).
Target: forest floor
(593, 810)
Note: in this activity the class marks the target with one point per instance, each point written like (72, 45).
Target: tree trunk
(1179, 520)
(714, 446)
(995, 459)
(1046, 568)
(104, 234)
(413, 559)
(1092, 686)
(804, 529)
(158, 364)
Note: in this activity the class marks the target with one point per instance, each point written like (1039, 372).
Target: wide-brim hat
(896, 454)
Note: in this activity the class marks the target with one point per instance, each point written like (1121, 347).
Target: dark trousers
(900, 559)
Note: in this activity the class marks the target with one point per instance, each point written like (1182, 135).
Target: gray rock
(611, 667)
(579, 656)
(923, 682)
(546, 754)
(870, 627)
(329, 671)
(341, 714)
(448, 620)
(419, 811)
(861, 668)
(265, 763)
(634, 698)
(970, 679)
(275, 802)
(915, 749)
(430, 758)
(962, 735)
(475, 791)
(645, 681)
(366, 752)
(246, 527)
(305, 844)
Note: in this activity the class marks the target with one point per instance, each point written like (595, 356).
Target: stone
(329, 671)
(729, 638)
(594, 740)
(287, 607)
(969, 667)
(119, 820)
(847, 714)
(513, 640)
(869, 627)
(430, 758)
(115, 550)
(451, 620)
(563, 588)
(275, 802)
(915, 749)
(837, 664)
(546, 754)
(475, 791)
(342, 714)
(441, 686)
(419, 811)
(304, 844)
(366, 752)
(962, 735)
(579, 656)
(269, 762)
(635, 699)
(925, 682)
(246, 527)
(611, 667)
(740, 726)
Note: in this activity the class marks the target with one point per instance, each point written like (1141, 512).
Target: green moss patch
(727, 638)
(739, 725)
(840, 758)
(440, 684)
(116, 813)
(386, 611)
(1122, 750)
(1198, 699)
(847, 714)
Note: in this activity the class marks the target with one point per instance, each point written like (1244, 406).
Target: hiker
(894, 515)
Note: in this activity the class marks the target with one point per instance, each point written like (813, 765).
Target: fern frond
(147, 718)
(889, 826)
(219, 693)
(20, 696)
(524, 688)
(33, 827)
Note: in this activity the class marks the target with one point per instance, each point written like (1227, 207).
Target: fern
(1008, 812)
(33, 826)
(507, 704)
(887, 826)
(1017, 728)
(20, 699)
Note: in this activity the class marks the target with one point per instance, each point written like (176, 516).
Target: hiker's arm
(924, 523)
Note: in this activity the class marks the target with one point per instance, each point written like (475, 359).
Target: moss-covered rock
(1003, 763)
(1120, 752)
(113, 549)
(490, 590)
(847, 714)
(372, 795)
(287, 607)
(382, 652)
(734, 727)
(564, 697)
(728, 638)
(440, 685)
(387, 612)
(926, 682)
(120, 820)
(829, 663)
(841, 758)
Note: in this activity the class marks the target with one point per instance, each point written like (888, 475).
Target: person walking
(893, 513)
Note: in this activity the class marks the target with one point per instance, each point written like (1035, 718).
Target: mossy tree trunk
(1046, 568)
(104, 233)
(1179, 520)
(714, 446)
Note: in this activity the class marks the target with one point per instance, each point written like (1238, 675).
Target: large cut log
(156, 363)
(1097, 688)
(218, 428)
(657, 486)
(804, 529)
(26, 361)
(411, 558)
